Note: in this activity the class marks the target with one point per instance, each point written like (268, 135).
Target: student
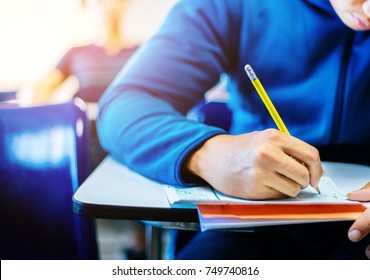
(315, 70)
(95, 65)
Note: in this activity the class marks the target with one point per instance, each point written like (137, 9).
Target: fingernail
(354, 235)
(350, 193)
(367, 252)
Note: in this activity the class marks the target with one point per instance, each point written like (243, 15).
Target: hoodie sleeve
(141, 120)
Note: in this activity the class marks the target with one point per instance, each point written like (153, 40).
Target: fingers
(360, 195)
(258, 165)
(263, 192)
(264, 184)
(366, 8)
(294, 164)
(308, 155)
(285, 185)
(361, 227)
(294, 170)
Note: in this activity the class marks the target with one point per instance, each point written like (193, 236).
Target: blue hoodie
(315, 69)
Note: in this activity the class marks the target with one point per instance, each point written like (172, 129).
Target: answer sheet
(204, 194)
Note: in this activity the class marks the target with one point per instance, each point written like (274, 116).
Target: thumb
(361, 227)
(360, 195)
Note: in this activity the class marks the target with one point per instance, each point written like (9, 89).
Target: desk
(113, 191)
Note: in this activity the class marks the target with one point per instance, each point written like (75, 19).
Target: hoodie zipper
(341, 87)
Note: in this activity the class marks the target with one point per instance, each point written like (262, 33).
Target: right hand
(257, 165)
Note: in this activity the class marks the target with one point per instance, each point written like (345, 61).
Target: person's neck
(112, 41)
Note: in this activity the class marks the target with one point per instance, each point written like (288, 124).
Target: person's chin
(357, 23)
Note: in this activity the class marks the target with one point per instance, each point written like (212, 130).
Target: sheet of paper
(340, 178)
(203, 194)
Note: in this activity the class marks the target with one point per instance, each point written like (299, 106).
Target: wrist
(200, 160)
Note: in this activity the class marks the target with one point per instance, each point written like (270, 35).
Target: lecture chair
(214, 113)
(7, 95)
(43, 160)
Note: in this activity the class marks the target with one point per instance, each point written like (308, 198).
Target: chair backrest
(215, 113)
(7, 95)
(43, 160)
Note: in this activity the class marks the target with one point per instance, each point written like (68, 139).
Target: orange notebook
(218, 216)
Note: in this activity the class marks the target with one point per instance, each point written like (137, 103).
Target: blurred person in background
(94, 66)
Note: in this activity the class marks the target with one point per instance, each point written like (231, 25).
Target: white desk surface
(113, 191)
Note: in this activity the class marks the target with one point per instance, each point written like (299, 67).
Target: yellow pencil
(269, 105)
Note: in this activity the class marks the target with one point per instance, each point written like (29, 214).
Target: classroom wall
(34, 34)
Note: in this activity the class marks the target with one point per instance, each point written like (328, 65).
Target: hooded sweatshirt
(315, 69)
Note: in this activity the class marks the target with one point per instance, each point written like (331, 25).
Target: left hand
(361, 227)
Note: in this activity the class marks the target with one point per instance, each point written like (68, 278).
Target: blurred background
(34, 34)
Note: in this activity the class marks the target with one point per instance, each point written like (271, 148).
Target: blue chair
(7, 95)
(44, 157)
(215, 113)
